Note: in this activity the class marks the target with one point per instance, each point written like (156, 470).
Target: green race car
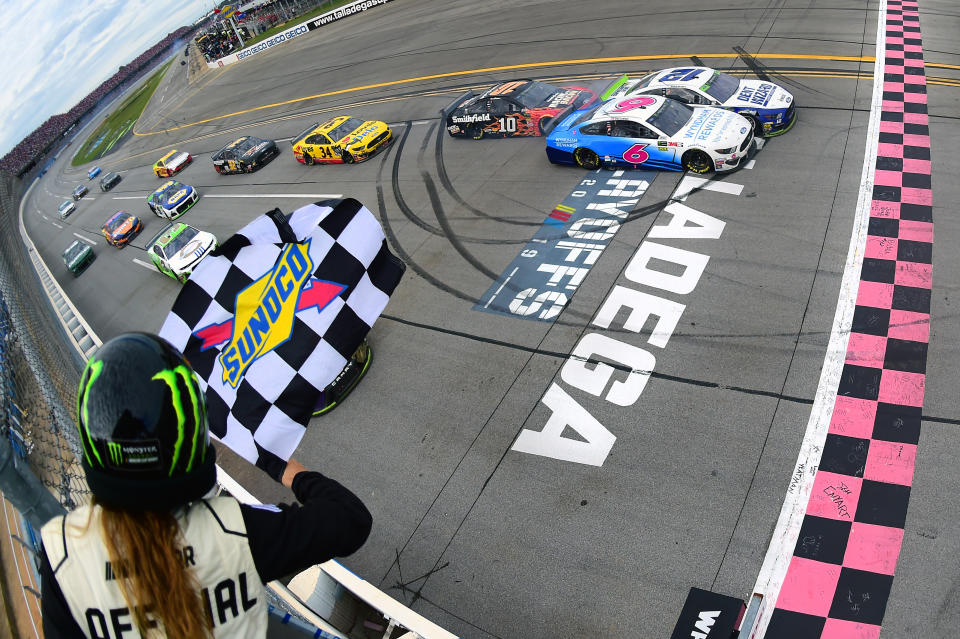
(178, 248)
(78, 257)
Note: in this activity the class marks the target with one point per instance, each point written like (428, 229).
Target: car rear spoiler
(447, 110)
(613, 86)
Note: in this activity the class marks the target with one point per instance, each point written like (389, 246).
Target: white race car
(652, 132)
(178, 248)
(769, 106)
(66, 208)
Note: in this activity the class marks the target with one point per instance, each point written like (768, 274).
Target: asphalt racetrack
(480, 537)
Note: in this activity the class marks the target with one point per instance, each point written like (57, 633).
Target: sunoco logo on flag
(273, 315)
(265, 309)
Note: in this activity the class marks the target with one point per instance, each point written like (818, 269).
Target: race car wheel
(697, 162)
(347, 158)
(475, 132)
(218, 168)
(586, 159)
(543, 124)
(307, 159)
(757, 125)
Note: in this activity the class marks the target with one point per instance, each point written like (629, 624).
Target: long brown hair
(144, 548)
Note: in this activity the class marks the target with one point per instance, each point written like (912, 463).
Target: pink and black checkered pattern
(839, 578)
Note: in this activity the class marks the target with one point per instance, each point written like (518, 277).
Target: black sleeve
(331, 522)
(57, 620)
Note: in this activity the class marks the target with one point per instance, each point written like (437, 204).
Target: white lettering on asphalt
(682, 216)
(518, 306)
(641, 269)
(691, 183)
(641, 306)
(593, 377)
(659, 266)
(565, 413)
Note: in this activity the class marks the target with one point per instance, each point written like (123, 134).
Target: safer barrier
(294, 32)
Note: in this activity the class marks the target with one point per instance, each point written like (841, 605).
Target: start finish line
(540, 281)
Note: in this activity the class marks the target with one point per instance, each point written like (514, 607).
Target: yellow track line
(441, 92)
(510, 67)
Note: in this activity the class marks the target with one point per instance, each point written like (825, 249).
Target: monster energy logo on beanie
(170, 377)
(122, 412)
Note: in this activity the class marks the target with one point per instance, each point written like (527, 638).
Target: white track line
(88, 241)
(144, 264)
(784, 539)
(59, 226)
(327, 196)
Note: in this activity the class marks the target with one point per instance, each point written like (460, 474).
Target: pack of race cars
(692, 119)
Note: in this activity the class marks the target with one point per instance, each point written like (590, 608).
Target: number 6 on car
(652, 132)
(636, 154)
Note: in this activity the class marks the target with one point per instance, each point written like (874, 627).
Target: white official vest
(215, 549)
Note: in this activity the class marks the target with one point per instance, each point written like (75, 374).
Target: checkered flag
(273, 315)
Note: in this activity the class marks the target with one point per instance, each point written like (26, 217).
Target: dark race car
(109, 181)
(77, 257)
(79, 192)
(244, 155)
(121, 228)
(518, 107)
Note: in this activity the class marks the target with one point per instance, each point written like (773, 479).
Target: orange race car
(121, 228)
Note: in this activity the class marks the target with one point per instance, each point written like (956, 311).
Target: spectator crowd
(30, 150)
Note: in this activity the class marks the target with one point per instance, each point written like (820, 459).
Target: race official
(155, 555)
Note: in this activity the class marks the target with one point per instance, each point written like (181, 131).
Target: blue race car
(94, 172)
(652, 132)
(768, 106)
(172, 199)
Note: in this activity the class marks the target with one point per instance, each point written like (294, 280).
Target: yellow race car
(342, 140)
(171, 163)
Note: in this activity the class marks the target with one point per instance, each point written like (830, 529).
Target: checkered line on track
(839, 579)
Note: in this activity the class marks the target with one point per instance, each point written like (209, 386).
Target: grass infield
(119, 122)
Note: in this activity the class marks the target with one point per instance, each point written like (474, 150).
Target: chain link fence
(39, 370)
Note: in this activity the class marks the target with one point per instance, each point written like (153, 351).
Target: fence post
(24, 490)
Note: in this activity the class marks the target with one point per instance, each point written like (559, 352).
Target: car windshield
(79, 189)
(170, 190)
(349, 126)
(116, 222)
(643, 82)
(244, 144)
(110, 177)
(671, 116)
(74, 250)
(64, 206)
(721, 86)
(586, 115)
(304, 133)
(534, 94)
(180, 240)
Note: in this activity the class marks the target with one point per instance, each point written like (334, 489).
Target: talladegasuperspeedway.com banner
(343, 12)
(331, 16)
